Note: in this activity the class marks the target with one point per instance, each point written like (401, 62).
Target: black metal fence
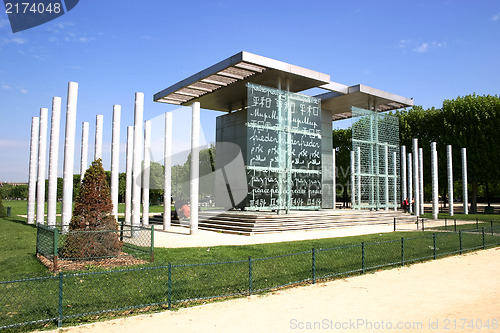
(65, 249)
(81, 297)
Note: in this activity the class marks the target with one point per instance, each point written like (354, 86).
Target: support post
(167, 180)
(386, 177)
(136, 168)
(363, 258)
(194, 167)
(128, 174)
(53, 161)
(395, 183)
(334, 191)
(410, 184)
(353, 196)
(35, 127)
(416, 183)
(146, 173)
(115, 158)
(403, 174)
(464, 181)
(421, 178)
(99, 120)
(313, 265)
(450, 178)
(42, 160)
(358, 181)
(84, 150)
(69, 154)
(434, 172)
(60, 312)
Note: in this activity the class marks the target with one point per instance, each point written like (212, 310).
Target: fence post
(491, 222)
(60, 317)
(417, 222)
(169, 295)
(460, 237)
(313, 265)
(56, 248)
(434, 244)
(423, 225)
(394, 224)
(250, 287)
(121, 231)
(402, 251)
(363, 266)
(152, 243)
(484, 243)
(445, 224)
(477, 223)
(455, 222)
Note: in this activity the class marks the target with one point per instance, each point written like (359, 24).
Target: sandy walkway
(456, 294)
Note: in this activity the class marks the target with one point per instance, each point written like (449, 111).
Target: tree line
(470, 122)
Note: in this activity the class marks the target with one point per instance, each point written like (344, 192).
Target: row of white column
(412, 183)
(134, 171)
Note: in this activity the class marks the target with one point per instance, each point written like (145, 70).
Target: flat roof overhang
(222, 87)
(339, 103)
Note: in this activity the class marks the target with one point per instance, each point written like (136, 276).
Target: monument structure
(285, 136)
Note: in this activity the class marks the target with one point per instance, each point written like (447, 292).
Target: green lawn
(471, 217)
(199, 274)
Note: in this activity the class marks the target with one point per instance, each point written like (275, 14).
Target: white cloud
(419, 47)
(23, 91)
(14, 40)
(5, 86)
(13, 143)
(495, 17)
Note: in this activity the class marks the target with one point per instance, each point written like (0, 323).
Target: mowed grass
(199, 274)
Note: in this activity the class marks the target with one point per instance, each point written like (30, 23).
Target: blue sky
(428, 50)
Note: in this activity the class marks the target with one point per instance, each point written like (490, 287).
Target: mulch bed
(123, 259)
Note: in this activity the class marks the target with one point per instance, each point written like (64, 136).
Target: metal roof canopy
(222, 87)
(363, 97)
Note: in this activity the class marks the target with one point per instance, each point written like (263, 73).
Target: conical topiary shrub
(92, 219)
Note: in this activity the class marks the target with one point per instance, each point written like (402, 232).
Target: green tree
(93, 212)
(342, 143)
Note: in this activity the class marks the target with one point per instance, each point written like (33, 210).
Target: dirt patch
(122, 259)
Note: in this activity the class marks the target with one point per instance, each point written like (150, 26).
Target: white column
(195, 166)
(69, 154)
(53, 161)
(35, 127)
(42, 160)
(395, 183)
(450, 178)
(85, 149)
(416, 184)
(421, 178)
(464, 181)
(334, 191)
(136, 167)
(167, 181)
(146, 173)
(403, 174)
(410, 184)
(434, 171)
(128, 181)
(386, 177)
(99, 119)
(115, 157)
(358, 185)
(353, 194)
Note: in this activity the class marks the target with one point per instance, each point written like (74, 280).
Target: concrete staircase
(248, 223)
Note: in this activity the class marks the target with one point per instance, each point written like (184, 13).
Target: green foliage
(342, 142)
(93, 212)
(3, 211)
